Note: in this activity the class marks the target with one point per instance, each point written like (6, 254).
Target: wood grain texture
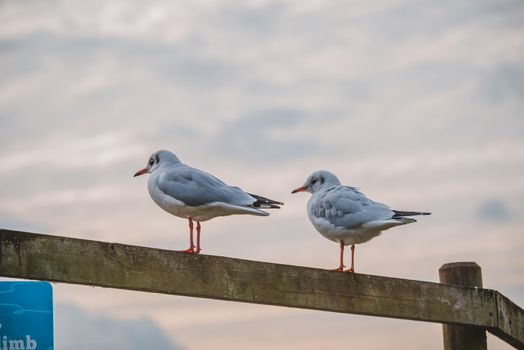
(510, 325)
(462, 337)
(68, 260)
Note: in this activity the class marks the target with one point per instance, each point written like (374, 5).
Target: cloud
(503, 82)
(494, 210)
(265, 136)
(94, 151)
(81, 330)
(11, 223)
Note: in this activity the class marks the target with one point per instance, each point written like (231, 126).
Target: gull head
(318, 180)
(157, 160)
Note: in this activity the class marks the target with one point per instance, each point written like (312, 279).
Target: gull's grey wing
(346, 207)
(195, 187)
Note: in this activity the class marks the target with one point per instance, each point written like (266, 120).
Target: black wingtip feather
(400, 213)
(266, 203)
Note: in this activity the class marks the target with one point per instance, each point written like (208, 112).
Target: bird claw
(350, 270)
(189, 250)
(339, 269)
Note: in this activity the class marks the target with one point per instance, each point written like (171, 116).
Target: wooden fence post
(462, 337)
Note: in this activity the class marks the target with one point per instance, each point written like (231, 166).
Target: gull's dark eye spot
(156, 158)
(151, 161)
(322, 179)
(313, 181)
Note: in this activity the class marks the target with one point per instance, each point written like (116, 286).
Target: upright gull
(345, 215)
(193, 194)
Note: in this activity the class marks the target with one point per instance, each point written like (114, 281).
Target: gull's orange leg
(341, 267)
(352, 268)
(191, 248)
(198, 238)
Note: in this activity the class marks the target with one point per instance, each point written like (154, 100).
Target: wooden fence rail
(61, 259)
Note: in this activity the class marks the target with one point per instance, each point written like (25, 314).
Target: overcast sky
(418, 103)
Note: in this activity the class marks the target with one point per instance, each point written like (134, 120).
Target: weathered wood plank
(60, 259)
(510, 322)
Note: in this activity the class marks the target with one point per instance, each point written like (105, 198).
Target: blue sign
(26, 316)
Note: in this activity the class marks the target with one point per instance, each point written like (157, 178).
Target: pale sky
(418, 103)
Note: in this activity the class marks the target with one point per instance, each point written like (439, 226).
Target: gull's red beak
(140, 172)
(300, 189)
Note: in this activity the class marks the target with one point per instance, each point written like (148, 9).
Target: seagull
(193, 194)
(346, 216)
